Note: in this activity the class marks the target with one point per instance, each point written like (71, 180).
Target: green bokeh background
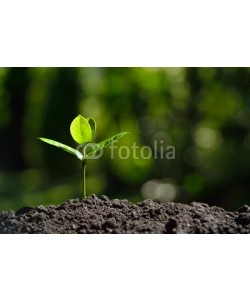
(203, 112)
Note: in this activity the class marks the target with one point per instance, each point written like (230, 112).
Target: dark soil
(101, 215)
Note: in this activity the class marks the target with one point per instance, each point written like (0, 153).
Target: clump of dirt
(101, 215)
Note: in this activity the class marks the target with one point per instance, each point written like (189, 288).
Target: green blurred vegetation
(203, 112)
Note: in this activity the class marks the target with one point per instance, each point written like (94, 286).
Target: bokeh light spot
(207, 138)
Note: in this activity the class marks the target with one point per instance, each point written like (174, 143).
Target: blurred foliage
(203, 112)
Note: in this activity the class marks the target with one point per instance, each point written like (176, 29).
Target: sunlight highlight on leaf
(81, 130)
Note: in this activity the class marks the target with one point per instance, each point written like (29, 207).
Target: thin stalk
(84, 178)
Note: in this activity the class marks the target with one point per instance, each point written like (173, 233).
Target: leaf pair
(83, 131)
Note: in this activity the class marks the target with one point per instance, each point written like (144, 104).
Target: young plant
(82, 131)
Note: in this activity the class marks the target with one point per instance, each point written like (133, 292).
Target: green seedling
(83, 131)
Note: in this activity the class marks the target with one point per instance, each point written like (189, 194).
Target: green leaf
(104, 144)
(92, 124)
(80, 130)
(66, 148)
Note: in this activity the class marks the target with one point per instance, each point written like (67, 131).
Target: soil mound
(101, 215)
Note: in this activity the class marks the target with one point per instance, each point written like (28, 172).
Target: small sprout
(83, 131)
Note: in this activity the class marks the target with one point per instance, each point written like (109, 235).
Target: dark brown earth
(101, 215)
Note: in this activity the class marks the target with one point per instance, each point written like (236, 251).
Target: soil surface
(101, 215)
